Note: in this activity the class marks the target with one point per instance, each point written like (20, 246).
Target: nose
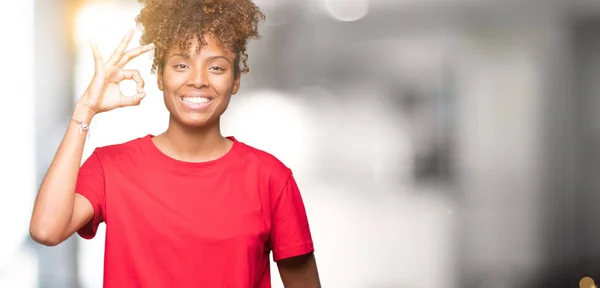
(198, 78)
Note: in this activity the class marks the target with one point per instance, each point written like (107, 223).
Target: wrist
(83, 113)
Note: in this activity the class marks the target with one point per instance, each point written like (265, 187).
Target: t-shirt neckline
(172, 163)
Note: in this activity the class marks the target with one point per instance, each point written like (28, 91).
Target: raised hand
(104, 93)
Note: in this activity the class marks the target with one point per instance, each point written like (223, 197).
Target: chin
(197, 121)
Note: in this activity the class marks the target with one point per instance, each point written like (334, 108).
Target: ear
(236, 84)
(159, 77)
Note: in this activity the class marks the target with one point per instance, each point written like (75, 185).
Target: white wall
(17, 156)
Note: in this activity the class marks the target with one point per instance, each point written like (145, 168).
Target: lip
(195, 106)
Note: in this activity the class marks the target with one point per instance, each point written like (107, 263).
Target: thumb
(132, 100)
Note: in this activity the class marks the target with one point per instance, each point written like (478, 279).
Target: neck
(193, 144)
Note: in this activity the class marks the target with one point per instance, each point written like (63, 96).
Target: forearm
(55, 201)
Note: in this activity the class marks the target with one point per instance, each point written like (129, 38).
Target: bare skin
(195, 135)
(58, 211)
(299, 272)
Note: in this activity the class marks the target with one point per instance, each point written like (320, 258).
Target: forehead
(194, 47)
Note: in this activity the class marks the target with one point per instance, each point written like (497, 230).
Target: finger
(131, 100)
(97, 56)
(135, 76)
(118, 53)
(135, 53)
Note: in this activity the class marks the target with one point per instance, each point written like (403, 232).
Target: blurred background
(438, 143)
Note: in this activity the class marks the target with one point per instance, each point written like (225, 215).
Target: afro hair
(167, 23)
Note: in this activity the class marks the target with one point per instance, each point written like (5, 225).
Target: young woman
(188, 207)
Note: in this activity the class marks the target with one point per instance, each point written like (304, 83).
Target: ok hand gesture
(104, 93)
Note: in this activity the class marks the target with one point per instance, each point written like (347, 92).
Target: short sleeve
(90, 184)
(290, 232)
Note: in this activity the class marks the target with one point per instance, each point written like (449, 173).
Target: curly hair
(176, 22)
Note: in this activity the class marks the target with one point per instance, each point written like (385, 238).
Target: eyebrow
(219, 57)
(187, 56)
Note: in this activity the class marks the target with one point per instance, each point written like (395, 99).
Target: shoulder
(117, 151)
(265, 161)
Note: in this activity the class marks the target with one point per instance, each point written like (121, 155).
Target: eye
(217, 68)
(180, 66)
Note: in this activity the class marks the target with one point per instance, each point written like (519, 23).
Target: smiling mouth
(196, 100)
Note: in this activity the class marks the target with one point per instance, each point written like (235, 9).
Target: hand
(104, 93)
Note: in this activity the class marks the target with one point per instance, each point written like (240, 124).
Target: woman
(189, 207)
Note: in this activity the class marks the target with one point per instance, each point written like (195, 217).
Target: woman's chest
(211, 209)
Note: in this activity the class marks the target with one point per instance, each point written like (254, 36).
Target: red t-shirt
(180, 224)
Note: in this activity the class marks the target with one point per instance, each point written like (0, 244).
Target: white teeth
(196, 100)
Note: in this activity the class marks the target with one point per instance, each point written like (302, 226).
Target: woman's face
(197, 86)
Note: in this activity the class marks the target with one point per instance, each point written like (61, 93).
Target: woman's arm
(58, 211)
(299, 272)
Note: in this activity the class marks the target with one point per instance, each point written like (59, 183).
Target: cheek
(172, 82)
(223, 84)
